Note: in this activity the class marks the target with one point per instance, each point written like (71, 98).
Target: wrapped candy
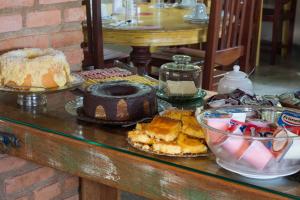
(239, 97)
(285, 147)
(236, 127)
(258, 155)
(290, 121)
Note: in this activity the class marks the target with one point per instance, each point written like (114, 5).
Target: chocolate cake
(120, 101)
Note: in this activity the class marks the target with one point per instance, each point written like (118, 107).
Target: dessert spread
(119, 101)
(34, 68)
(175, 132)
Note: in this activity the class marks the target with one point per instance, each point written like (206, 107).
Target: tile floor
(279, 78)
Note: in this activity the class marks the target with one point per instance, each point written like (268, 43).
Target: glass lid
(236, 73)
(181, 63)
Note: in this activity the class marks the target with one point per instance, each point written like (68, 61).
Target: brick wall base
(24, 180)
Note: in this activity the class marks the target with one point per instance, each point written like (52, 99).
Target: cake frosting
(34, 67)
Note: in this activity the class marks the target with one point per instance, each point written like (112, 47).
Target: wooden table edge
(38, 146)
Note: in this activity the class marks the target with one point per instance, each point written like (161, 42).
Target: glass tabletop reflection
(55, 119)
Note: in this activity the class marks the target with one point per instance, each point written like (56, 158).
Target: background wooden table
(156, 27)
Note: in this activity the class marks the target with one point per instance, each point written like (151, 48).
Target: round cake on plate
(120, 101)
(34, 68)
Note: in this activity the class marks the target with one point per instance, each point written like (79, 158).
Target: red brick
(74, 14)
(11, 163)
(64, 39)
(74, 56)
(10, 23)
(76, 68)
(40, 41)
(71, 183)
(25, 180)
(75, 197)
(54, 1)
(43, 18)
(48, 192)
(15, 3)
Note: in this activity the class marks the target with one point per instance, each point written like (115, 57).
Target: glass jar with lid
(180, 80)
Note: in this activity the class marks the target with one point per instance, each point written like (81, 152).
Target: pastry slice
(137, 136)
(190, 145)
(184, 88)
(163, 128)
(177, 114)
(167, 147)
(191, 127)
(141, 126)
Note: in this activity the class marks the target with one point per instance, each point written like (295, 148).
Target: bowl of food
(256, 142)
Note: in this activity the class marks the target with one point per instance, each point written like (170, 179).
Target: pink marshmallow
(220, 124)
(257, 155)
(235, 146)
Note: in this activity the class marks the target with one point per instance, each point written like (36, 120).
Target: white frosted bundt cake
(33, 67)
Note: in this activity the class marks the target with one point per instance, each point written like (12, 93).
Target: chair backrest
(94, 29)
(229, 35)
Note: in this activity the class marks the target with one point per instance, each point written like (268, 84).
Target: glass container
(260, 157)
(180, 79)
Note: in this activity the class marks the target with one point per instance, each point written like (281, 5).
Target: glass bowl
(252, 155)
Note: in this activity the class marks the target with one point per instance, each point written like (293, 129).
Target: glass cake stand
(34, 97)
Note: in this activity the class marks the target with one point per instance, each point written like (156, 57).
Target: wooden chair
(277, 15)
(94, 52)
(230, 38)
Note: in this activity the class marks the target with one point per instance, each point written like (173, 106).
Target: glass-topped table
(54, 138)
